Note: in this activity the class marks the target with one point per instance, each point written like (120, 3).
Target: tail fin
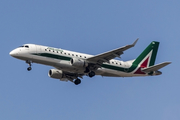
(148, 56)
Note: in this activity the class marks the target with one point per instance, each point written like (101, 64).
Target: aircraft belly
(59, 64)
(112, 73)
(43, 60)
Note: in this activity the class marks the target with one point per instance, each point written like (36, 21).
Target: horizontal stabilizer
(155, 67)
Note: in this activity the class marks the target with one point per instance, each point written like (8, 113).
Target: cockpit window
(26, 46)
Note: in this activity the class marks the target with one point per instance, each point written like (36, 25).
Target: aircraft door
(31, 49)
(38, 49)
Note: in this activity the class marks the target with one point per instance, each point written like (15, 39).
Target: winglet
(135, 42)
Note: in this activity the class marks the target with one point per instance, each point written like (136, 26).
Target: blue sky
(91, 27)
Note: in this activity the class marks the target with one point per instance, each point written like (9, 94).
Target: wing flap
(155, 67)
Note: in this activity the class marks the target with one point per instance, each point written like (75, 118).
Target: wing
(105, 57)
(155, 67)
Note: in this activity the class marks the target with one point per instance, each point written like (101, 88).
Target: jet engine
(55, 73)
(78, 62)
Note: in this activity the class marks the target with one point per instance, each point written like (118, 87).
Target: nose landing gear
(29, 68)
(29, 63)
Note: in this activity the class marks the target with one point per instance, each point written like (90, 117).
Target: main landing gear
(91, 74)
(77, 81)
(29, 63)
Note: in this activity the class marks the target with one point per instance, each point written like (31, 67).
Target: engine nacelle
(55, 73)
(78, 62)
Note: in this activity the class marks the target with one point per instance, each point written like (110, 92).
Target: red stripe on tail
(143, 65)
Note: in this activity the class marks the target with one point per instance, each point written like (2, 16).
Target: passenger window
(68, 54)
(72, 54)
(45, 49)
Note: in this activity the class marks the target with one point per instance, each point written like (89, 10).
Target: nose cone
(13, 53)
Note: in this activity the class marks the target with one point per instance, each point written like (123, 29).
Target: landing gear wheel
(29, 68)
(92, 74)
(29, 63)
(77, 81)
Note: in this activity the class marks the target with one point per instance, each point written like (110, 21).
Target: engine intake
(78, 62)
(55, 73)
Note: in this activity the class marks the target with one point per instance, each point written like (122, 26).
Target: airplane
(71, 66)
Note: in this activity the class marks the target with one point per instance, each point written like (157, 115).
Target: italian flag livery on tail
(146, 60)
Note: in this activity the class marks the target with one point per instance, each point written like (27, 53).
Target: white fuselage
(60, 59)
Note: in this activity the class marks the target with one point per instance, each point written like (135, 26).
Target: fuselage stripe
(106, 65)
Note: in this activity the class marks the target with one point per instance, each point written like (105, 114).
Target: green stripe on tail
(145, 54)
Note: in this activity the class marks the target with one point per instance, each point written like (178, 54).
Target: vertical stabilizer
(148, 56)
